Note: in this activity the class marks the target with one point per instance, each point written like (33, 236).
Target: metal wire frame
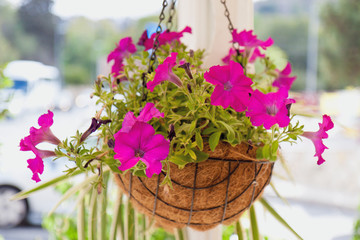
(253, 184)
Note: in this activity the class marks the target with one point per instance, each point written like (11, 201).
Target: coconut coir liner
(226, 185)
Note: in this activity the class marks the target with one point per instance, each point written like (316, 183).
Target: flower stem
(81, 216)
(239, 230)
(91, 215)
(254, 225)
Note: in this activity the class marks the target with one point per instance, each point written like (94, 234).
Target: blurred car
(29, 210)
(35, 87)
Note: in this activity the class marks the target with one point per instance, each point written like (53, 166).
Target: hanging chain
(230, 26)
(227, 15)
(156, 40)
(169, 23)
(156, 44)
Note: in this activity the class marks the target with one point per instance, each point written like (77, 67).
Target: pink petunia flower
(227, 58)
(284, 80)
(317, 137)
(122, 50)
(249, 41)
(232, 87)
(164, 38)
(164, 73)
(255, 55)
(148, 112)
(36, 165)
(141, 144)
(43, 134)
(269, 109)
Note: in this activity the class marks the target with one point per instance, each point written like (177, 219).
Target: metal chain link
(227, 15)
(172, 11)
(230, 26)
(156, 40)
(156, 44)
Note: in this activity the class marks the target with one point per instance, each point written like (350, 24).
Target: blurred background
(52, 50)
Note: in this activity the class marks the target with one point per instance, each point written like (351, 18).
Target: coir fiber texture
(204, 194)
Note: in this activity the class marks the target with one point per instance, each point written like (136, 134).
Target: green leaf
(292, 136)
(274, 147)
(239, 231)
(72, 191)
(81, 215)
(254, 225)
(92, 218)
(209, 130)
(25, 194)
(266, 151)
(278, 217)
(231, 132)
(180, 233)
(192, 126)
(116, 219)
(273, 150)
(192, 154)
(140, 173)
(199, 141)
(180, 160)
(214, 140)
(201, 156)
(259, 153)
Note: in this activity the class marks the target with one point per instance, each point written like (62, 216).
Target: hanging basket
(204, 194)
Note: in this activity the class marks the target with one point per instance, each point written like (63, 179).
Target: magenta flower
(227, 58)
(141, 144)
(284, 80)
(36, 165)
(164, 73)
(249, 41)
(269, 109)
(317, 137)
(164, 38)
(122, 50)
(232, 87)
(256, 54)
(43, 134)
(148, 112)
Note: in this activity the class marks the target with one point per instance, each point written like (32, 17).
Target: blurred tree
(37, 20)
(340, 44)
(290, 34)
(14, 43)
(85, 42)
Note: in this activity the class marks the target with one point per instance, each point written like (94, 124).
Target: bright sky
(97, 9)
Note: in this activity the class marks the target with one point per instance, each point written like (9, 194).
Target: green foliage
(61, 227)
(4, 83)
(38, 21)
(356, 233)
(14, 42)
(340, 43)
(290, 35)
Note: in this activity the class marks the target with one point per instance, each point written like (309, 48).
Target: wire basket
(205, 194)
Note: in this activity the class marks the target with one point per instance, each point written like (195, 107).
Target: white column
(210, 26)
(210, 31)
